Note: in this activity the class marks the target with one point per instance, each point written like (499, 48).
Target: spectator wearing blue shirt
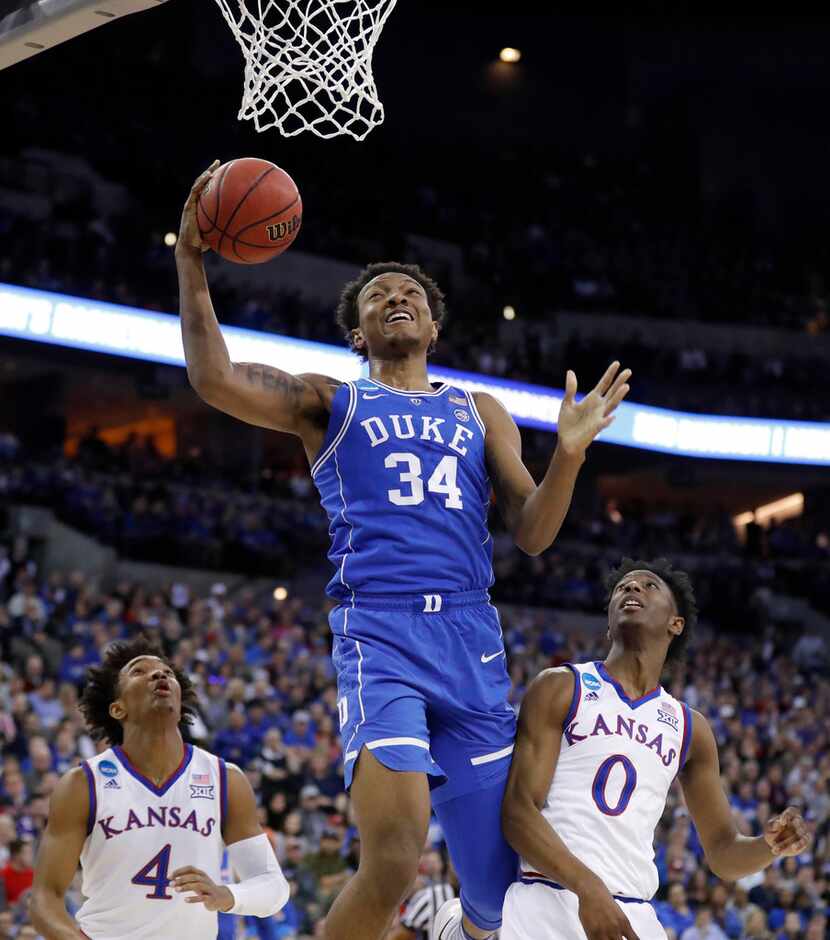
(783, 906)
(302, 731)
(675, 913)
(234, 743)
(74, 665)
(257, 721)
(725, 916)
(704, 927)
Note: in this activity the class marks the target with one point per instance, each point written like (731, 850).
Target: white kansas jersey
(138, 834)
(617, 762)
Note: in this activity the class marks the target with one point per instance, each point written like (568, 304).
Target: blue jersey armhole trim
(574, 706)
(93, 799)
(688, 728)
(338, 437)
(223, 794)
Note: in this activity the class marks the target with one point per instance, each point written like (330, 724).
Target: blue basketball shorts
(422, 684)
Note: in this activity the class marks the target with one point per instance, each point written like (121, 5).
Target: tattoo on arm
(276, 381)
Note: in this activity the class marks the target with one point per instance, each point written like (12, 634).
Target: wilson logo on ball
(250, 211)
(279, 230)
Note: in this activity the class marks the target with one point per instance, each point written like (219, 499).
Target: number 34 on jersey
(442, 480)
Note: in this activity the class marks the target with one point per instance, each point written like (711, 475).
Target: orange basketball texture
(250, 211)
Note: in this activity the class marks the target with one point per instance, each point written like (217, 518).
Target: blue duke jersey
(417, 647)
(402, 477)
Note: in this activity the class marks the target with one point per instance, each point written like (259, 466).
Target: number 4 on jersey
(160, 864)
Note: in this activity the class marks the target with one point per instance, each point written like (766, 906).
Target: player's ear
(117, 710)
(358, 342)
(676, 625)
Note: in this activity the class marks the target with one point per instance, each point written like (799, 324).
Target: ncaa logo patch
(108, 769)
(461, 415)
(591, 682)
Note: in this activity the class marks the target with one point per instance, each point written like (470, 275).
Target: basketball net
(308, 63)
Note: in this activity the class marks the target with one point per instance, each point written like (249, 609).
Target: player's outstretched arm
(541, 722)
(58, 857)
(257, 394)
(534, 514)
(262, 889)
(729, 854)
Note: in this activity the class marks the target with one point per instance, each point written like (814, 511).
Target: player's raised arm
(257, 394)
(538, 740)
(58, 857)
(534, 514)
(262, 889)
(729, 854)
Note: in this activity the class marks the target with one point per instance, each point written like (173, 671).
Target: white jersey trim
(411, 393)
(347, 420)
(476, 414)
(397, 742)
(489, 758)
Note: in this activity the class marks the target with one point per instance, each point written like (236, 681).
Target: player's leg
(392, 810)
(540, 912)
(387, 765)
(472, 729)
(485, 863)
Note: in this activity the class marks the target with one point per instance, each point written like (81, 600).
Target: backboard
(28, 27)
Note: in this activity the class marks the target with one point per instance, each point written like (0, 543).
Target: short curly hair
(347, 314)
(678, 583)
(101, 688)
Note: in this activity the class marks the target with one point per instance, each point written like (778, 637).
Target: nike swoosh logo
(367, 397)
(487, 659)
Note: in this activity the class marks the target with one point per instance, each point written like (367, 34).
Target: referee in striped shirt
(439, 885)
(420, 911)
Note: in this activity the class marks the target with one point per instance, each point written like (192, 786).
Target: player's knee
(392, 864)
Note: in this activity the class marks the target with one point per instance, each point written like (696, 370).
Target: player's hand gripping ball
(250, 211)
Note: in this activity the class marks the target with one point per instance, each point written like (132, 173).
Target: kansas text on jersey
(618, 759)
(402, 477)
(138, 834)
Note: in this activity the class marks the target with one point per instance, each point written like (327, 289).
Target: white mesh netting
(308, 63)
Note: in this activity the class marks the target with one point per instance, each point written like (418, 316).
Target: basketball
(250, 211)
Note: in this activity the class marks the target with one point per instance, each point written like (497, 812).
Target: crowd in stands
(180, 511)
(267, 701)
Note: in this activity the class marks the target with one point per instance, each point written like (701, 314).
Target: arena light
(280, 593)
(509, 313)
(510, 55)
(788, 507)
(170, 239)
(44, 317)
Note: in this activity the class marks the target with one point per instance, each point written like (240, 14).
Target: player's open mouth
(400, 316)
(631, 603)
(162, 689)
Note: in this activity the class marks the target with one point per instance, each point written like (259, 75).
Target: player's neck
(637, 671)
(406, 374)
(155, 752)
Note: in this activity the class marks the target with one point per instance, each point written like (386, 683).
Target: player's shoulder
(498, 422)
(551, 692)
(71, 796)
(323, 386)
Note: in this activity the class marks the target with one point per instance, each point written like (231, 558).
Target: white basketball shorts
(540, 912)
